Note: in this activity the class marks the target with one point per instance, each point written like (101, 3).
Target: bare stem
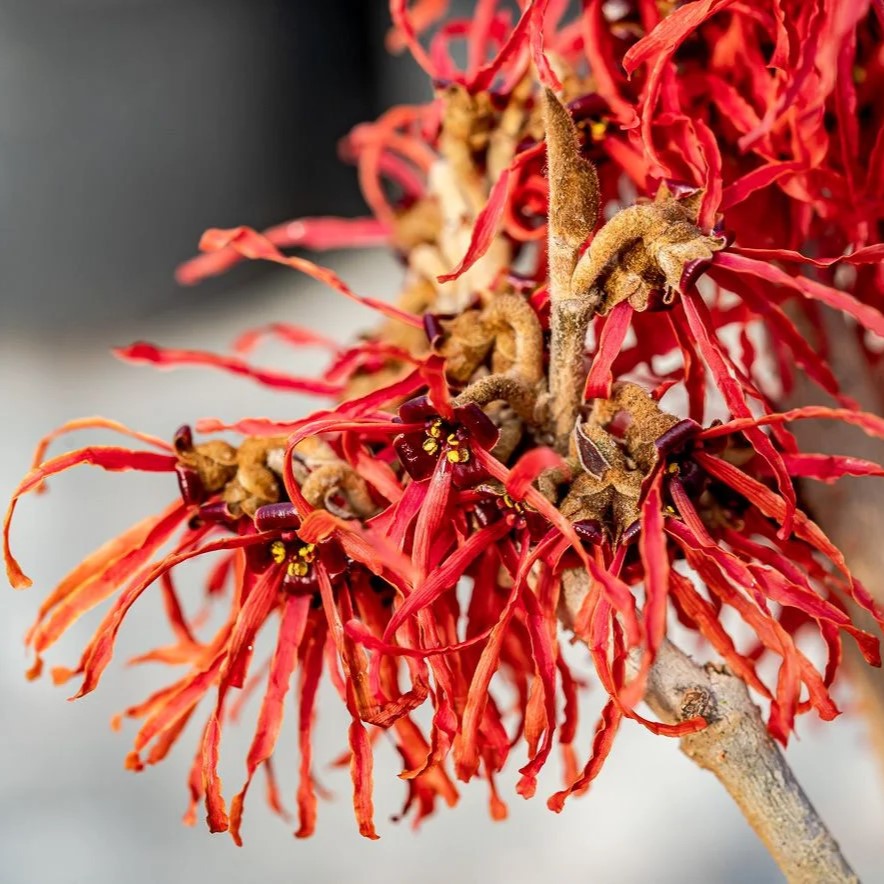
(569, 320)
(573, 212)
(739, 751)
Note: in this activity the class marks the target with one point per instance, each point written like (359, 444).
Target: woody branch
(737, 749)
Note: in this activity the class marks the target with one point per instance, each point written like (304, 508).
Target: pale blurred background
(125, 129)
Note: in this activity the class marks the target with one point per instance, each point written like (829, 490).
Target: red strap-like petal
(168, 357)
(250, 244)
(616, 325)
(602, 743)
(107, 457)
(700, 324)
(317, 234)
(446, 575)
(75, 597)
(291, 633)
(869, 423)
(529, 466)
(868, 317)
(489, 219)
(311, 671)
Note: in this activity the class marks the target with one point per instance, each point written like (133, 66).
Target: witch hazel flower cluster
(609, 225)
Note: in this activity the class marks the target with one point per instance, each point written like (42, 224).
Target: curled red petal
(772, 506)
(545, 72)
(708, 623)
(869, 423)
(829, 467)
(712, 179)
(489, 219)
(867, 316)
(511, 49)
(655, 560)
(615, 589)
(606, 71)
(92, 423)
(251, 244)
(296, 335)
(445, 575)
(872, 254)
(91, 568)
(529, 466)
(318, 234)
(805, 355)
(169, 357)
(100, 649)
(216, 811)
(77, 597)
(107, 457)
(361, 771)
(657, 49)
(540, 622)
(700, 324)
(759, 178)
(311, 671)
(291, 633)
(602, 743)
(616, 325)
(467, 748)
(406, 32)
(671, 32)
(485, 227)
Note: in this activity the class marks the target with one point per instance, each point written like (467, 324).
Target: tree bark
(737, 748)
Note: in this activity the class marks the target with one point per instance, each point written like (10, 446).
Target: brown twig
(573, 212)
(739, 751)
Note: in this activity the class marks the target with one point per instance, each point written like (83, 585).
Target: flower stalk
(573, 213)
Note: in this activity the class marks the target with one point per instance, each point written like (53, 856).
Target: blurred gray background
(126, 128)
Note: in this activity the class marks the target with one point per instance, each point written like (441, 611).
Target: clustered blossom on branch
(552, 393)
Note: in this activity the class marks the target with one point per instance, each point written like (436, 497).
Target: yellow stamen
(598, 129)
(277, 551)
(435, 429)
(298, 569)
(458, 455)
(512, 504)
(431, 446)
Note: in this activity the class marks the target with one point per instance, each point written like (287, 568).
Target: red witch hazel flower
(562, 429)
(451, 440)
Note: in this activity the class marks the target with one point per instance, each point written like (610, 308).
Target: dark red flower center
(419, 451)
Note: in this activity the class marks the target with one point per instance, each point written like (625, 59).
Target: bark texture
(738, 750)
